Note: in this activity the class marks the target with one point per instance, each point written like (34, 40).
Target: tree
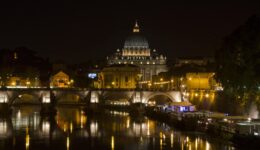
(238, 62)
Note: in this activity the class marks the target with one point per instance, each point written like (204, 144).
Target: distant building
(21, 82)
(200, 81)
(16, 82)
(60, 80)
(119, 76)
(136, 51)
(200, 61)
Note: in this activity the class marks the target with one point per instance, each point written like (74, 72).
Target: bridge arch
(116, 96)
(25, 98)
(153, 94)
(70, 97)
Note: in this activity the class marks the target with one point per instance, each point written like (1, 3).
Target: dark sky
(75, 32)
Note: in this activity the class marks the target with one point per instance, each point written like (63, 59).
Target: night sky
(76, 32)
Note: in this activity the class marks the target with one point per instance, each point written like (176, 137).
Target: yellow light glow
(68, 143)
(172, 140)
(28, 83)
(187, 139)
(65, 127)
(249, 119)
(13, 83)
(161, 144)
(213, 96)
(161, 135)
(83, 120)
(71, 127)
(207, 95)
(161, 79)
(112, 142)
(207, 145)
(15, 55)
(128, 122)
(196, 144)
(196, 94)
(148, 128)
(27, 139)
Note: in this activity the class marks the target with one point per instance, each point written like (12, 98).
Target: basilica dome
(136, 40)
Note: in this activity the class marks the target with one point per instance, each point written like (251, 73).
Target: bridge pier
(94, 106)
(94, 97)
(137, 97)
(4, 106)
(47, 105)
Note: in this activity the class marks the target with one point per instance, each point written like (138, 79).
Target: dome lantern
(136, 28)
(136, 40)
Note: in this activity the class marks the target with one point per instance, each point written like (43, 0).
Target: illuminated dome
(136, 40)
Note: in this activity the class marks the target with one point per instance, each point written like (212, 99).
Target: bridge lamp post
(139, 78)
(113, 84)
(28, 83)
(13, 83)
(149, 85)
(161, 83)
(71, 82)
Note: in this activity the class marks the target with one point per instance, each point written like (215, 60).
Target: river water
(71, 128)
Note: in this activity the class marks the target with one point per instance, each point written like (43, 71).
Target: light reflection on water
(71, 128)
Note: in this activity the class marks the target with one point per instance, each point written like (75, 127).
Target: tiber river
(72, 128)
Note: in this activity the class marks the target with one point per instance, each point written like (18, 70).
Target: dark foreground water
(71, 128)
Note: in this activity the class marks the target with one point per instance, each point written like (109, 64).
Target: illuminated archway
(146, 99)
(26, 98)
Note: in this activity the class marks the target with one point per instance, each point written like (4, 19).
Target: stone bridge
(133, 96)
(39, 96)
(79, 96)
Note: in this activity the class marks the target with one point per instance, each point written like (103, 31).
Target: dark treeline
(238, 67)
(26, 63)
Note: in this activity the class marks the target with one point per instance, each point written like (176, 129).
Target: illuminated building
(200, 86)
(200, 81)
(60, 80)
(184, 106)
(199, 61)
(22, 82)
(136, 51)
(119, 76)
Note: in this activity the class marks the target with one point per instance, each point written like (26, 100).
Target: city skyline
(77, 32)
(130, 75)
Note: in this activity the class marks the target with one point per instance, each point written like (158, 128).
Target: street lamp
(28, 83)
(113, 84)
(139, 77)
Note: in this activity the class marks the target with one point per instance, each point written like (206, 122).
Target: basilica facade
(136, 51)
